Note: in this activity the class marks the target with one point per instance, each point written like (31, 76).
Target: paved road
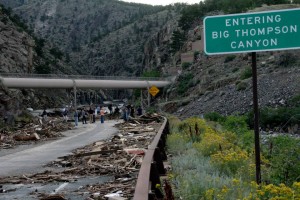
(32, 160)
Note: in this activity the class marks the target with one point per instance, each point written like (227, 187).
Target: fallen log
(54, 197)
(89, 153)
(34, 136)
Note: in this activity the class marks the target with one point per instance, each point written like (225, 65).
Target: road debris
(119, 157)
(37, 130)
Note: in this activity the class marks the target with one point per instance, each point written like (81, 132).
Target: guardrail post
(154, 178)
(159, 161)
(161, 146)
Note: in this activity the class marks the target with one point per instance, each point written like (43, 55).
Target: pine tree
(177, 39)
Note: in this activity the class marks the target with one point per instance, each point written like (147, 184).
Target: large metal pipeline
(10, 82)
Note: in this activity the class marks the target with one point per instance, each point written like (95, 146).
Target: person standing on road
(91, 112)
(94, 115)
(110, 108)
(102, 112)
(65, 115)
(132, 111)
(76, 118)
(83, 113)
(125, 113)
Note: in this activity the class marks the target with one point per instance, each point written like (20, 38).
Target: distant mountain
(22, 52)
(98, 37)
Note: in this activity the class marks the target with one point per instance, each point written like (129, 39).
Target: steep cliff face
(99, 37)
(18, 55)
(16, 47)
(156, 50)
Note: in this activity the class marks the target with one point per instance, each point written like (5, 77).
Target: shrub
(196, 53)
(241, 86)
(229, 58)
(286, 59)
(177, 143)
(186, 65)
(295, 101)
(185, 82)
(151, 110)
(230, 161)
(236, 124)
(151, 73)
(43, 69)
(230, 170)
(235, 70)
(284, 154)
(193, 128)
(214, 116)
(211, 143)
(246, 73)
(193, 175)
(279, 117)
(56, 53)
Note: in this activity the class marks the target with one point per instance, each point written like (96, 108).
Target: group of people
(129, 111)
(89, 114)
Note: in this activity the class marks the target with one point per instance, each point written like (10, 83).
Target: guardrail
(152, 167)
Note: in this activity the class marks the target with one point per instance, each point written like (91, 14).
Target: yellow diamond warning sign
(153, 90)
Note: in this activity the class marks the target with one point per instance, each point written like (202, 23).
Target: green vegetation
(295, 101)
(229, 58)
(43, 69)
(279, 117)
(196, 53)
(186, 65)
(215, 161)
(25, 117)
(185, 82)
(56, 53)
(241, 86)
(151, 73)
(15, 19)
(286, 59)
(235, 70)
(178, 38)
(283, 153)
(246, 73)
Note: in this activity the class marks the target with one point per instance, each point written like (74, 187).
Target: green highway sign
(252, 32)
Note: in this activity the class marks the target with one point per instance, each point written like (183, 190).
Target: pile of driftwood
(37, 130)
(119, 157)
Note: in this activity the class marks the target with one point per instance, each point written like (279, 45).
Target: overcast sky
(163, 2)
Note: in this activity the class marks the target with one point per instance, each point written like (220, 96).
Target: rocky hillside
(215, 84)
(19, 54)
(22, 52)
(98, 37)
(223, 83)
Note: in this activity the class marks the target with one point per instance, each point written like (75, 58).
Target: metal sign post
(256, 119)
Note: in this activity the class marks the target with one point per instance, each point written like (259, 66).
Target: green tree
(177, 39)
(39, 44)
(56, 53)
(151, 73)
(43, 69)
(190, 14)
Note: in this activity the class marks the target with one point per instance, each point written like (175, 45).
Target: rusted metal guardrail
(152, 167)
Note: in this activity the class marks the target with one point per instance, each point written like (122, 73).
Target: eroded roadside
(103, 169)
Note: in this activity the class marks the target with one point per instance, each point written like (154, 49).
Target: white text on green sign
(252, 32)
